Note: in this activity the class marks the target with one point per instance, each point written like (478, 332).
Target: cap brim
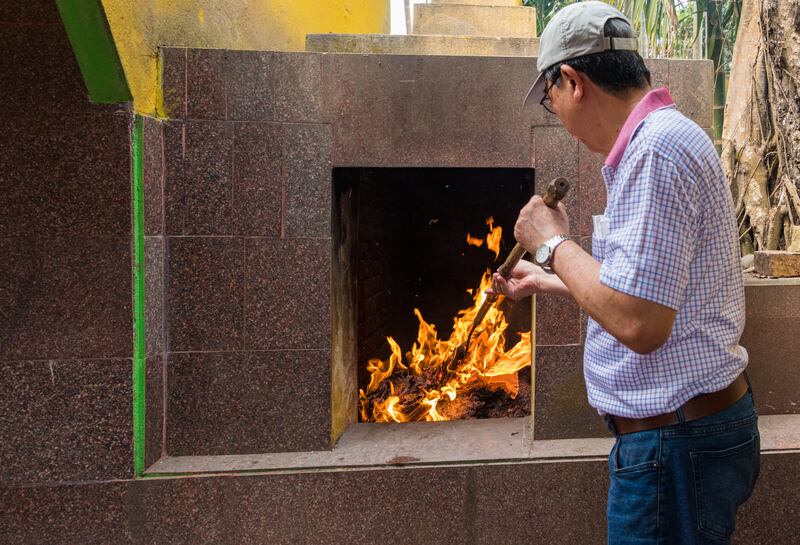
(536, 92)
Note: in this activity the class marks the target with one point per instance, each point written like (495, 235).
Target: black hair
(614, 71)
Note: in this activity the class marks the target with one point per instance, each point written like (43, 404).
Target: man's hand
(526, 279)
(538, 223)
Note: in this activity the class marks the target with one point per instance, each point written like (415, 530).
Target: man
(663, 288)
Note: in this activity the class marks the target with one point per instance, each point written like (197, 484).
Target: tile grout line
(164, 284)
(185, 84)
(284, 161)
(253, 351)
(244, 295)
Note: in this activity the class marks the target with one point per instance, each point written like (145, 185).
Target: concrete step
(480, 2)
(476, 46)
(473, 20)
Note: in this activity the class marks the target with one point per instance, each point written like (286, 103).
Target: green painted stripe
(91, 39)
(139, 355)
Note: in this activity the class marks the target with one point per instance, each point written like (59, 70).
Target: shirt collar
(652, 101)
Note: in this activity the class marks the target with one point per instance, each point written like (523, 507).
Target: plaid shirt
(668, 235)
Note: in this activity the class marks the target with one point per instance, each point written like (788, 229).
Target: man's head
(588, 68)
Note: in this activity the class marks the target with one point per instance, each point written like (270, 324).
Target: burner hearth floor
(421, 444)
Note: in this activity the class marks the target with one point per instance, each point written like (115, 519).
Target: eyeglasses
(546, 102)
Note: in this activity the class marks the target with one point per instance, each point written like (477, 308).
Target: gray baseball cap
(574, 31)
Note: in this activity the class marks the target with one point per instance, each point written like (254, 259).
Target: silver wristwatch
(544, 254)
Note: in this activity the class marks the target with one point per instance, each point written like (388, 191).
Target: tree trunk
(761, 133)
(715, 42)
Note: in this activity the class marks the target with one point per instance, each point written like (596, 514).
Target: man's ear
(577, 85)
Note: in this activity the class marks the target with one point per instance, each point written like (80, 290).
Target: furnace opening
(416, 244)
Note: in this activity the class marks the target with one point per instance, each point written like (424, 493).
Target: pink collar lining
(652, 101)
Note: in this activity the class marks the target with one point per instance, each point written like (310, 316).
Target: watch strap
(553, 243)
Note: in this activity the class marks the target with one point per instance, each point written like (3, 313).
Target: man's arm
(647, 253)
(641, 325)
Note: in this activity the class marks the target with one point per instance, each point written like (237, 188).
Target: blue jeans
(682, 484)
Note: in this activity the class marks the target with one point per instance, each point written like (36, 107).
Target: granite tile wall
(65, 420)
(155, 262)
(247, 402)
(772, 339)
(86, 513)
(246, 207)
(543, 502)
(40, 74)
(247, 199)
(65, 272)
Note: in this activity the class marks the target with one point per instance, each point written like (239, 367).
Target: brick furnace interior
(421, 241)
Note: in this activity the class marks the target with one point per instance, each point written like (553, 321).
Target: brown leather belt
(698, 407)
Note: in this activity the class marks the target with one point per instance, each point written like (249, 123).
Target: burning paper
(425, 383)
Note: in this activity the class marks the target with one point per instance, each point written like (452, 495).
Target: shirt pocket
(599, 237)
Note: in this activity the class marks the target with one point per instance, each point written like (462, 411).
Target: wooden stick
(556, 190)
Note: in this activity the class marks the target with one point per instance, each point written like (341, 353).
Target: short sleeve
(653, 226)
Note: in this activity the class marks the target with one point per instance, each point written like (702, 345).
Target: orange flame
(494, 237)
(417, 390)
(474, 241)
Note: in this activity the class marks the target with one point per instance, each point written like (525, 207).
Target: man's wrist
(546, 251)
(564, 252)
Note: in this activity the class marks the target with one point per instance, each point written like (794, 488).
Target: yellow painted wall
(141, 26)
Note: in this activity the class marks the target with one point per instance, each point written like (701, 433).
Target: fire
(474, 241)
(426, 383)
(492, 239)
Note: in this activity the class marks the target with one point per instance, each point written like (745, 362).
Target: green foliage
(676, 29)
(670, 28)
(545, 9)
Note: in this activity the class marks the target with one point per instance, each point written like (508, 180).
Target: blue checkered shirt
(671, 239)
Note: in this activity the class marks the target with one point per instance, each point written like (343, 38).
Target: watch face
(542, 254)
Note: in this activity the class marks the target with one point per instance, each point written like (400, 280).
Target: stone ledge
(751, 279)
(427, 44)
(479, 2)
(474, 20)
(423, 444)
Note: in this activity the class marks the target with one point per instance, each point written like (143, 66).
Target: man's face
(559, 100)
(566, 99)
